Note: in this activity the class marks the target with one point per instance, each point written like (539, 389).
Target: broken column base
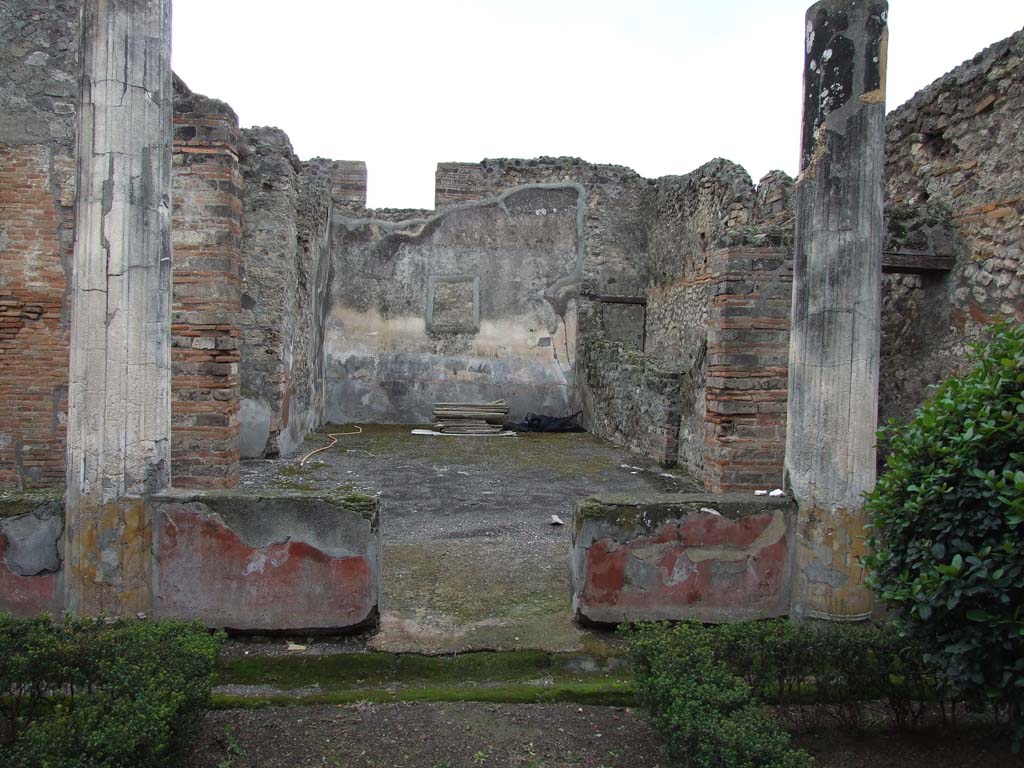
(829, 573)
(709, 557)
(269, 562)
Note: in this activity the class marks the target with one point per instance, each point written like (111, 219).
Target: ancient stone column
(119, 398)
(834, 341)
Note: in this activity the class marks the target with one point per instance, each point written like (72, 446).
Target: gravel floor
(471, 559)
(464, 488)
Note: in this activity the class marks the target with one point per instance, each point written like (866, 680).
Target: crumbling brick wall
(285, 218)
(38, 89)
(686, 216)
(642, 367)
(632, 399)
(954, 152)
(205, 329)
(718, 307)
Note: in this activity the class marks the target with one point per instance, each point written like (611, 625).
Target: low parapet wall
(710, 557)
(31, 525)
(280, 561)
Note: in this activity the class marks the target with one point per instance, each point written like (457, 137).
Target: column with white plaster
(119, 394)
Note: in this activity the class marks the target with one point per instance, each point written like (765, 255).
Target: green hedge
(707, 716)
(86, 694)
(839, 667)
(947, 524)
(708, 687)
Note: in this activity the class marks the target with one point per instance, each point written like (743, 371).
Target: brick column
(837, 273)
(205, 328)
(748, 347)
(119, 388)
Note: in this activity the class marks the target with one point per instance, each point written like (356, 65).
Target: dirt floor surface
(466, 735)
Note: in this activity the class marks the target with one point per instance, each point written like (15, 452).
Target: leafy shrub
(706, 715)
(82, 694)
(946, 528)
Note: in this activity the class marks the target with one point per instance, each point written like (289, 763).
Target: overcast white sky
(660, 86)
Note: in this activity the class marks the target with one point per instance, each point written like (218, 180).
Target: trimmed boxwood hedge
(87, 694)
(708, 688)
(707, 716)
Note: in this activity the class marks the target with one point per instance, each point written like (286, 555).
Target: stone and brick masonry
(952, 152)
(38, 88)
(205, 322)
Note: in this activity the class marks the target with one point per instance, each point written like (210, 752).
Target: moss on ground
(469, 582)
(367, 670)
(517, 676)
(588, 456)
(293, 485)
(596, 693)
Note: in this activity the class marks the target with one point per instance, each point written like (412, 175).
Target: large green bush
(84, 694)
(946, 527)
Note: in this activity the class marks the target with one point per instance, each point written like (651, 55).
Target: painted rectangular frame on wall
(432, 283)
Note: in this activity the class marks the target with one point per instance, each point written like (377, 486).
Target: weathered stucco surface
(277, 561)
(474, 304)
(286, 272)
(31, 526)
(686, 556)
(658, 307)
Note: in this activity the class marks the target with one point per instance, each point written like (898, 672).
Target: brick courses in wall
(747, 365)
(642, 368)
(38, 85)
(345, 180)
(34, 257)
(952, 153)
(206, 333)
(691, 219)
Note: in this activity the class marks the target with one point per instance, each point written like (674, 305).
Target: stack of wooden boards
(471, 418)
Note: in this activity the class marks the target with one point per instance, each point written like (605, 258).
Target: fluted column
(119, 399)
(836, 326)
